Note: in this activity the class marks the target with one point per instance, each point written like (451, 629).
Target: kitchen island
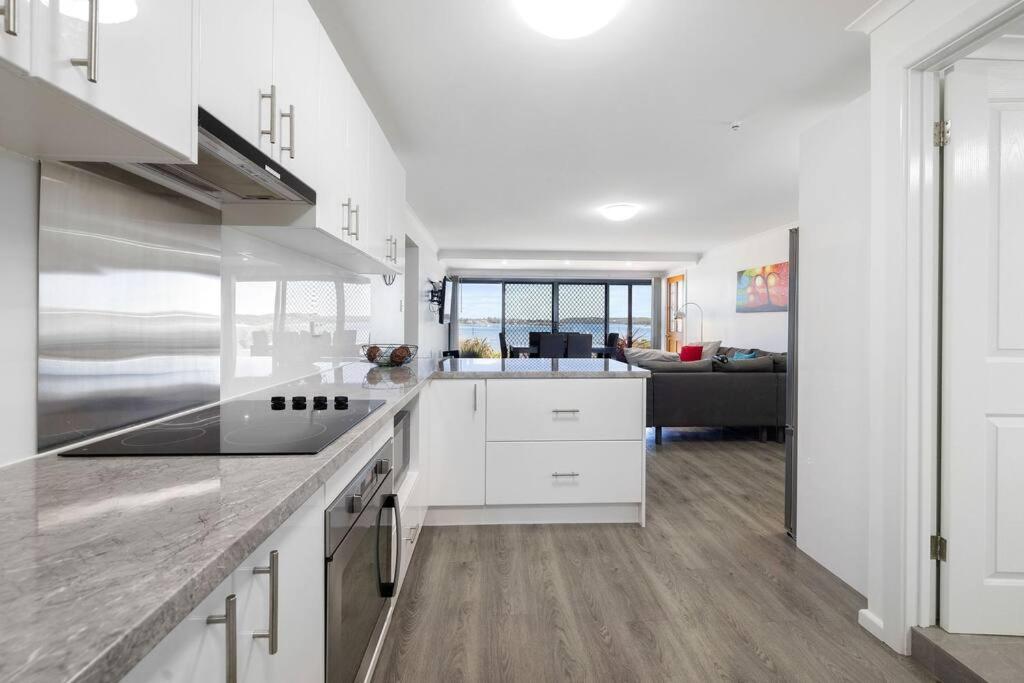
(105, 557)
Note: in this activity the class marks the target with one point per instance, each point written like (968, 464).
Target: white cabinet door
(297, 33)
(378, 194)
(142, 63)
(332, 169)
(299, 543)
(237, 66)
(457, 442)
(396, 210)
(357, 160)
(15, 48)
(194, 650)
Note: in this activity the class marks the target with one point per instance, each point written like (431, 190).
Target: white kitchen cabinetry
(133, 62)
(333, 169)
(195, 650)
(129, 95)
(396, 211)
(457, 442)
(237, 39)
(15, 36)
(299, 544)
(297, 35)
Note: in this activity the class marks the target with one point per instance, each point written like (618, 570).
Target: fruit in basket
(372, 353)
(400, 355)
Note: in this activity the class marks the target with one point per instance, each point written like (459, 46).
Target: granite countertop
(104, 556)
(516, 368)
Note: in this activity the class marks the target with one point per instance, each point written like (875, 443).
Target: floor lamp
(682, 314)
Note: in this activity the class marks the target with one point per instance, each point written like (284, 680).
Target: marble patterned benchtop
(515, 368)
(102, 557)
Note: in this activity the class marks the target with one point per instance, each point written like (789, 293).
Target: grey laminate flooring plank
(711, 589)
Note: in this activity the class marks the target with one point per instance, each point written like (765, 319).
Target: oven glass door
(355, 603)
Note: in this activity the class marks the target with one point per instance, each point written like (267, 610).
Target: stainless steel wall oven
(363, 558)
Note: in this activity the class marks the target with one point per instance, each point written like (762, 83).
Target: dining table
(529, 351)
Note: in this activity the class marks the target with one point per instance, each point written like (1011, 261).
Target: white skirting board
(625, 513)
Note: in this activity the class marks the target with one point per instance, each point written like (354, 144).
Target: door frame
(912, 42)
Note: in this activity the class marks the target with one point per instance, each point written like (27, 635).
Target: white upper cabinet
(237, 75)
(397, 215)
(297, 33)
(131, 61)
(357, 160)
(375, 214)
(15, 50)
(332, 172)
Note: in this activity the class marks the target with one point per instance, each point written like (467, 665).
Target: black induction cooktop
(279, 426)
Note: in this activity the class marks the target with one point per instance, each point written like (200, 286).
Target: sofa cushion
(710, 349)
(744, 356)
(763, 364)
(691, 353)
(638, 356)
(677, 366)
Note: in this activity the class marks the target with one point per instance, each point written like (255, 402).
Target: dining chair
(579, 346)
(503, 343)
(534, 342)
(454, 353)
(551, 345)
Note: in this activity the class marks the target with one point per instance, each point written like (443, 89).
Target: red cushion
(690, 353)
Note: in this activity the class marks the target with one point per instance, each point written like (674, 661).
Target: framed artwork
(763, 289)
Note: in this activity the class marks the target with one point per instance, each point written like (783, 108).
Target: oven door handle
(388, 588)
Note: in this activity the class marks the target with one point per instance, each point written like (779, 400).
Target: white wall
(19, 188)
(832, 472)
(712, 285)
(432, 336)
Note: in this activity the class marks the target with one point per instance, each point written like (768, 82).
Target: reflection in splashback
(129, 305)
(285, 315)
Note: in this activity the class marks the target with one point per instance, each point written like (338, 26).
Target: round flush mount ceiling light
(567, 19)
(620, 212)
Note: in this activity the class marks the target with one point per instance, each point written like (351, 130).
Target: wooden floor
(711, 589)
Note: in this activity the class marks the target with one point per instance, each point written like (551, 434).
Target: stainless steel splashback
(129, 305)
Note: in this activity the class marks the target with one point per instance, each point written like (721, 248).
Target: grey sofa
(707, 393)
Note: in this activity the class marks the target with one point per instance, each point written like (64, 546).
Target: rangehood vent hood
(230, 170)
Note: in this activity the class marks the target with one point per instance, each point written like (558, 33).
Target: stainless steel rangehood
(230, 170)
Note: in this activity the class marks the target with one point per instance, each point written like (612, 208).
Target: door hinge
(940, 134)
(938, 548)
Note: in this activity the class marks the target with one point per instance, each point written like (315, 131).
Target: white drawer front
(573, 472)
(564, 409)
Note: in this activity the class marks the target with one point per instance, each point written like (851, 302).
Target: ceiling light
(504, 262)
(620, 212)
(568, 263)
(567, 19)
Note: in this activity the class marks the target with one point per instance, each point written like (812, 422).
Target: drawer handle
(567, 411)
(273, 571)
(559, 475)
(229, 619)
(89, 61)
(413, 532)
(10, 14)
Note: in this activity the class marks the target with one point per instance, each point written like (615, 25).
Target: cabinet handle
(231, 635)
(346, 225)
(89, 61)
(10, 13)
(559, 475)
(387, 256)
(566, 411)
(355, 224)
(272, 570)
(272, 131)
(475, 387)
(413, 532)
(291, 131)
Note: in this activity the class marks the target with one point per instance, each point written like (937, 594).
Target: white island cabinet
(536, 450)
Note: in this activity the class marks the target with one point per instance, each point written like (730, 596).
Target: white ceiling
(512, 140)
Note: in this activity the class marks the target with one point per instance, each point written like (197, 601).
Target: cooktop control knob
(319, 403)
(298, 402)
(277, 402)
(341, 402)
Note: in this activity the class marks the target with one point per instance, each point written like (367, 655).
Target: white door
(357, 161)
(14, 34)
(457, 442)
(143, 63)
(297, 33)
(332, 181)
(982, 580)
(237, 67)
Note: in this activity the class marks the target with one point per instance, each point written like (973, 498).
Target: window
(487, 307)
(480, 319)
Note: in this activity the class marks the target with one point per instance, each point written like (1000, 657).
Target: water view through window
(486, 308)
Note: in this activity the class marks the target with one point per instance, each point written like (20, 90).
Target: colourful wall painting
(763, 289)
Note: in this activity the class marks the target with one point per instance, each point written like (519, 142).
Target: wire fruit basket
(389, 355)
